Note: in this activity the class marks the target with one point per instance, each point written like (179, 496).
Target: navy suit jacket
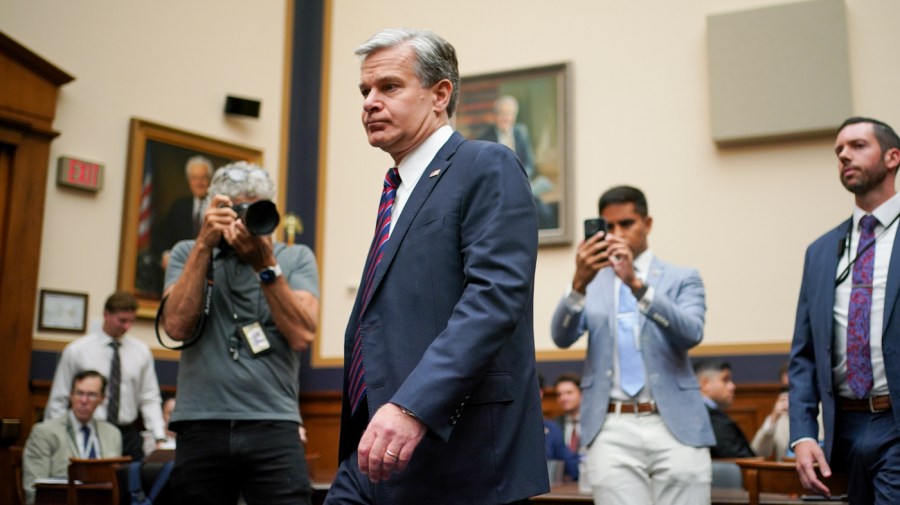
(811, 354)
(524, 150)
(448, 332)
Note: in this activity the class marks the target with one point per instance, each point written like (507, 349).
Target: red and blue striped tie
(357, 374)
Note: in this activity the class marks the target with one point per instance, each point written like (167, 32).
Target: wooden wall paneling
(322, 418)
(28, 95)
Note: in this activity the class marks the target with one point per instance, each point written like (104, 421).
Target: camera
(260, 218)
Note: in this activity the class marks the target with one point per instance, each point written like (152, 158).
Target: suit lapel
(427, 182)
(823, 318)
(893, 285)
(654, 278)
(73, 439)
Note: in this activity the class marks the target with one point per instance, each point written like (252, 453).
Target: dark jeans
(867, 448)
(218, 460)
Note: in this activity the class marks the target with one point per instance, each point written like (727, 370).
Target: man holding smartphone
(643, 420)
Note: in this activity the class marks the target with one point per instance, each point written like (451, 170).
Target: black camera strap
(201, 324)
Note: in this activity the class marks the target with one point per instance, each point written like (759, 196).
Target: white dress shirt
(884, 245)
(139, 386)
(84, 451)
(576, 301)
(413, 165)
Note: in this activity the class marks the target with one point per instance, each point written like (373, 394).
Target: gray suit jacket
(673, 325)
(51, 444)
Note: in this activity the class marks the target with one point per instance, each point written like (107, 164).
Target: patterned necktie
(859, 357)
(631, 367)
(115, 379)
(357, 374)
(88, 450)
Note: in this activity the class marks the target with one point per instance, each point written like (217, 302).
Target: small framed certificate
(62, 311)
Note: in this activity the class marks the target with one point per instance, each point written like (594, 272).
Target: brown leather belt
(633, 407)
(873, 404)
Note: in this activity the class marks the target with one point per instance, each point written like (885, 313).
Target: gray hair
(198, 160)
(506, 99)
(242, 180)
(435, 57)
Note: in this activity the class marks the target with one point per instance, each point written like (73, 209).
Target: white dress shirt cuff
(574, 300)
(646, 301)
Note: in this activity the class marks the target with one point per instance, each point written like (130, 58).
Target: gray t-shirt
(214, 386)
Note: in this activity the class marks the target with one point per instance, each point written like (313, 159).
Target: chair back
(781, 477)
(727, 474)
(94, 481)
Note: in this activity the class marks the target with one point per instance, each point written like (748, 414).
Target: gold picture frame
(539, 133)
(155, 180)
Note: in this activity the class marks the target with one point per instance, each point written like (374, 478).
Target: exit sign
(79, 174)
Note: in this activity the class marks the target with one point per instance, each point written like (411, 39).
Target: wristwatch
(269, 274)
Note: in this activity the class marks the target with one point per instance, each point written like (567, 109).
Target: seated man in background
(717, 388)
(772, 439)
(556, 447)
(150, 445)
(568, 396)
(127, 363)
(75, 435)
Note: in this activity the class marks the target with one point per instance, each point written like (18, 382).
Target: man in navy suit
(847, 332)
(441, 401)
(642, 418)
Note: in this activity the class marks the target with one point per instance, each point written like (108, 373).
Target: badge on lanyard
(256, 338)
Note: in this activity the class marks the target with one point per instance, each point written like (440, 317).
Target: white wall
(170, 62)
(640, 115)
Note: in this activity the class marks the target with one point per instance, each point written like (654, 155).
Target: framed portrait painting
(527, 110)
(166, 187)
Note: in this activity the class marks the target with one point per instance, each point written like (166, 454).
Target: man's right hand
(590, 257)
(808, 454)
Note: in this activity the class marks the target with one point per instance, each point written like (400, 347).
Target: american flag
(145, 217)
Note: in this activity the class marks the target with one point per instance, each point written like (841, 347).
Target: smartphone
(593, 225)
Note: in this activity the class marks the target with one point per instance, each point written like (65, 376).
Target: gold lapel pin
(436, 172)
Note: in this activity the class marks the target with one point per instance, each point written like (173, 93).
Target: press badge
(256, 339)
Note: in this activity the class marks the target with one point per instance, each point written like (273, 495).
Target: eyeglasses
(90, 395)
(242, 173)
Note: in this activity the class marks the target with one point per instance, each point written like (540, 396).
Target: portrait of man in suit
(643, 420)
(847, 330)
(441, 401)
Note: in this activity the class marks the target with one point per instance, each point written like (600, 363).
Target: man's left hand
(255, 250)
(389, 442)
(622, 260)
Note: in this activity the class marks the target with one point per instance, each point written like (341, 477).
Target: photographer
(237, 414)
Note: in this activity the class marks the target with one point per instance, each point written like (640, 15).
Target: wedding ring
(391, 454)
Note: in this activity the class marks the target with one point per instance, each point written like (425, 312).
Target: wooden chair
(15, 452)
(94, 481)
(780, 477)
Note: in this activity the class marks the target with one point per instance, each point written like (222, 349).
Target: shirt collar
(710, 402)
(412, 166)
(642, 264)
(884, 213)
(76, 424)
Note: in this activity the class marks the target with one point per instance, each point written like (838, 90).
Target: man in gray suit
(642, 418)
(74, 435)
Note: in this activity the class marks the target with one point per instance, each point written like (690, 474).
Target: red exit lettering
(83, 173)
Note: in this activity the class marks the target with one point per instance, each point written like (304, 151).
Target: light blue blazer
(671, 327)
